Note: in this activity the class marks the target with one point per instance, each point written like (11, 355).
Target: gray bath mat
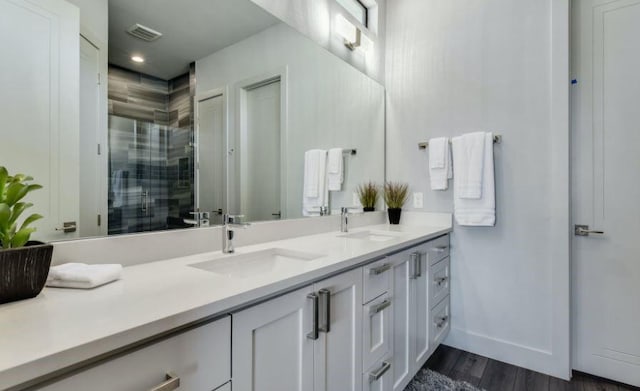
(428, 380)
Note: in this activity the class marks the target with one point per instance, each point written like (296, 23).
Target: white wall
(454, 66)
(316, 19)
(94, 20)
(329, 104)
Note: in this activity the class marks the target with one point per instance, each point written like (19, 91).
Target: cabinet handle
(325, 296)
(375, 376)
(314, 310)
(380, 269)
(413, 264)
(171, 383)
(440, 249)
(442, 321)
(440, 280)
(379, 307)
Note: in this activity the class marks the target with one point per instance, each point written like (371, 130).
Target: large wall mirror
(202, 107)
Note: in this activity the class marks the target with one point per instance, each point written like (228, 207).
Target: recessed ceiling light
(138, 59)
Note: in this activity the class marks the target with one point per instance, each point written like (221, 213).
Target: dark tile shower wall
(151, 167)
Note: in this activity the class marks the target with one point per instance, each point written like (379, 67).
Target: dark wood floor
(494, 375)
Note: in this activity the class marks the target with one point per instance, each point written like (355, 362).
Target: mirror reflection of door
(211, 157)
(262, 154)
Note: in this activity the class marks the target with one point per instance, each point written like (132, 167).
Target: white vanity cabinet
(309, 339)
(198, 359)
(414, 319)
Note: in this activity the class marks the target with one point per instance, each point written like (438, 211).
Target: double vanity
(361, 310)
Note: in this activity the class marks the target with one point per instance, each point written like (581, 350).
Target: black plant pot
(24, 271)
(369, 209)
(394, 215)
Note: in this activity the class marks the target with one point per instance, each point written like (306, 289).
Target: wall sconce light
(353, 37)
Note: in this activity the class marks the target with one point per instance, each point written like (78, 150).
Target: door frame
(210, 94)
(240, 137)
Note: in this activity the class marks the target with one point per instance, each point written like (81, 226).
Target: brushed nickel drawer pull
(380, 269)
(375, 376)
(415, 265)
(442, 321)
(325, 296)
(171, 383)
(379, 307)
(314, 330)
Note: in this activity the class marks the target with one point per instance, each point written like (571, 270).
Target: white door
(91, 181)
(39, 101)
(606, 189)
(270, 347)
(211, 157)
(261, 155)
(338, 350)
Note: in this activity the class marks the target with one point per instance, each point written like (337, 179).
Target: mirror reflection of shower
(151, 176)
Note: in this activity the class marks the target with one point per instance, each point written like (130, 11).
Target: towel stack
(474, 182)
(82, 276)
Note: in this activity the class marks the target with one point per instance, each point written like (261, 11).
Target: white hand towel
(83, 276)
(469, 157)
(482, 211)
(314, 166)
(440, 167)
(315, 178)
(335, 169)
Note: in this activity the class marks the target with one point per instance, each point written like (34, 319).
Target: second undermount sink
(374, 236)
(256, 262)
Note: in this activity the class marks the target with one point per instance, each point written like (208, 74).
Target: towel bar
(497, 139)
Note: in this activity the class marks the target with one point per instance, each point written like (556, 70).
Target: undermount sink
(374, 236)
(257, 262)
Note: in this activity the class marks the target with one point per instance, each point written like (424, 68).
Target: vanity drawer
(200, 358)
(376, 333)
(437, 249)
(379, 376)
(439, 281)
(377, 279)
(440, 322)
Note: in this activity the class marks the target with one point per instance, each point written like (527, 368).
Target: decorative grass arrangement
(395, 194)
(368, 193)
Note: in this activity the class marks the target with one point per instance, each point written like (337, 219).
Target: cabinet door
(403, 346)
(421, 307)
(271, 350)
(338, 350)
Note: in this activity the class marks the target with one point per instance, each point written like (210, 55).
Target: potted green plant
(395, 195)
(368, 194)
(24, 265)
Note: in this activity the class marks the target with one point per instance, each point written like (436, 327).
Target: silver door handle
(314, 331)
(415, 265)
(379, 307)
(171, 383)
(374, 376)
(325, 295)
(583, 230)
(380, 269)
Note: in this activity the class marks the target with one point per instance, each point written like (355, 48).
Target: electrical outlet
(418, 200)
(356, 199)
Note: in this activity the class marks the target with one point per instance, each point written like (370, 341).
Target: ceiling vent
(144, 33)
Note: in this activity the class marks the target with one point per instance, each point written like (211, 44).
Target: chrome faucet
(228, 232)
(344, 218)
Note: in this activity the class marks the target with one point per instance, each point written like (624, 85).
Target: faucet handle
(345, 209)
(228, 218)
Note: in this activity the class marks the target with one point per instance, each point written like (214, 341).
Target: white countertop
(62, 327)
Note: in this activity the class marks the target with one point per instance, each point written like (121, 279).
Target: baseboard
(537, 360)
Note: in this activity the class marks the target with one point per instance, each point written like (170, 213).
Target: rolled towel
(83, 276)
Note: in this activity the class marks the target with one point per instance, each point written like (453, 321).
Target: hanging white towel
(480, 211)
(468, 156)
(315, 193)
(335, 169)
(83, 276)
(440, 167)
(117, 187)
